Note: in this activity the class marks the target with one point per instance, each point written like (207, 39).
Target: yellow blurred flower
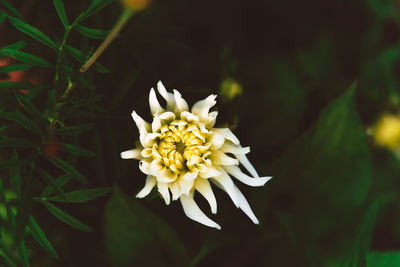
(181, 152)
(230, 88)
(387, 131)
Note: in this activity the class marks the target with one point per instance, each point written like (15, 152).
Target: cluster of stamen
(182, 146)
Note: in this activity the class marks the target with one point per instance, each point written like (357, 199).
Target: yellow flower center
(182, 146)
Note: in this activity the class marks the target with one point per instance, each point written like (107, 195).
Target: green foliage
(59, 5)
(75, 150)
(91, 33)
(68, 169)
(22, 120)
(40, 237)
(81, 195)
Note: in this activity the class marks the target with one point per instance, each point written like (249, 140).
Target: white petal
(227, 133)
(238, 174)
(155, 107)
(141, 124)
(204, 187)
(175, 190)
(150, 183)
(169, 97)
(163, 189)
(246, 163)
(144, 166)
(131, 154)
(234, 149)
(181, 104)
(216, 140)
(189, 117)
(212, 118)
(219, 158)
(193, 211)
(147, 152)
(202, 107)
(209, 172)
(150, 139)
(225, 182)
(244, 206)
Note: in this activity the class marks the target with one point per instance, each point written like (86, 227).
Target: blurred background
(311, 86)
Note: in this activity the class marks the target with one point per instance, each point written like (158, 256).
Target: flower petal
(180, 103)
(150, 183)
(202, 107)
(144, 166)
(212, 118)
(244, 206)
(169, 97)
(246, 163)
(175, 190)
(141, 124)
(227, 133)
(238, 174)
(204, 187)
(209, 172)
(225, 182)
(163, 189)
(234, 149)
(132, 154)
(219, 158)
(193, 211)
(155, 107)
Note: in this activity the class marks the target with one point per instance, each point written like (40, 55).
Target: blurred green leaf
(25, 57)
(7, 164)
(16, 142)
(29, 107)
(66, 218)
(10, 214)
(3, 15)
(41, 238)
(15, 85)
(15, 46)
(95, 6)
(10, 9)
(68, 169)
(91, 33)
(32, 32)
(82, 195)
(60, 181)
(133, 233)
(15, 67)
(324, 179)
(384, 8)
(49, 180)
(59, 5)
(15, 174)
(74, 130)
(75, 150)
(387, 259)
(22, 120)
(80, 57)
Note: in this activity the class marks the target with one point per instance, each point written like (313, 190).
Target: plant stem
(123, 19)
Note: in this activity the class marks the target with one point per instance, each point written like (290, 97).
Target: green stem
(123, 19)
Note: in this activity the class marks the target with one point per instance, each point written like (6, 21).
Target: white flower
(181, 152)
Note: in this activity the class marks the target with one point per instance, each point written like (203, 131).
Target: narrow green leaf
(81, 58)
(41, 238)
(65, 217)
(7, 254)
(6, 164)
(25, 57)
(75, 150)
(15, 85)
(378, 259)
(22, 120)
(60, 181)
(15, 67)
(23, 253)
(29, 107)
(59, 5)
(10, 9)
(74, 130)
(3, 15)
(68, 169)
(10, 214)
(16, 46)
(32, 32)
(82, 195)
(95, 7)
(16, 142)
(15, 174)
(51, 182)
(91, 33)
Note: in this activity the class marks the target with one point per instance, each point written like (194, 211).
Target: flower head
(181, 152)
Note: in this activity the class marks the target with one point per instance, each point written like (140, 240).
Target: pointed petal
(169, 97)
(219, 158)
(202, 107)
(155, 107)
(212, 118)
(175, 190)
(144, 166)
(204, 187)
(193, 211)
(246, 163)
(181, 104)
(225, 182)
(150, 183)
(227, 133)
(209, 172)
(234, 149)
(132, 154)
(163, 189)
(244, 206)
(141, 124)
(238, 174)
